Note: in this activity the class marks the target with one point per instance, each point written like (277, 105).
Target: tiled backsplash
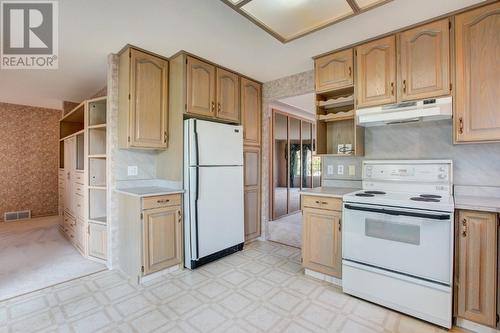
(473, 164)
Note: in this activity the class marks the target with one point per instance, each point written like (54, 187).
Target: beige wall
(29, 155)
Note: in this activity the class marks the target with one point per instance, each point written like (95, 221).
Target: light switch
(330, 170)
(340, 169)
(352, 170)
(132, 170)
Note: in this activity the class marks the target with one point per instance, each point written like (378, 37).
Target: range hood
(407, 112)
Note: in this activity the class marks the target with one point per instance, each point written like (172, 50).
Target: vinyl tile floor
(261, 289)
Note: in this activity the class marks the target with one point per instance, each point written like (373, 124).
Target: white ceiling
(91, 29)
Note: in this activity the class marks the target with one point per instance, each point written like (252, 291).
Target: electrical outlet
(340, 169)
(132, 170)
(352, 170)
(330, 170)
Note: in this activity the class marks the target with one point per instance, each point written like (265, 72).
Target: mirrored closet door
(293, 165)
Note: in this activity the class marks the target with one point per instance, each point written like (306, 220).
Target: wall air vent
(15, 216)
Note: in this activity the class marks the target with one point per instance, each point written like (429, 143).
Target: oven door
(415, 242)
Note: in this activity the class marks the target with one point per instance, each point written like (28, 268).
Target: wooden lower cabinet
(252, 188)
(162, 235)
(322, 240)
(98, 240)
(477, 266)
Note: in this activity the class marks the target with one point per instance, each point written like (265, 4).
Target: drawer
(161, 201)
(79, 189)
(79, 206)
(322, 202)
(79, 178)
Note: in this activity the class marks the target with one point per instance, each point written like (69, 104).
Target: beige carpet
(35, 255)
(287, 230)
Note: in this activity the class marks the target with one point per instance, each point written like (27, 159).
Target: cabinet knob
(464, 228)
(404, 86)
(461, 123)
(219, 107)
(213, 106)
(350, 71)
(163, 201)
(392, 88)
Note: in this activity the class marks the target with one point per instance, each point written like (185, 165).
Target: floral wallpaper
(29, 155)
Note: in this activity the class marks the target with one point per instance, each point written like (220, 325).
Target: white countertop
(487, 204)
(334, 192)
(148, 191)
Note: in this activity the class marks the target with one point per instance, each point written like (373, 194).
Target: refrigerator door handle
(197, 182)
(196, 146)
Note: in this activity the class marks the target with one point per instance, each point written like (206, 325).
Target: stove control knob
(442, 176)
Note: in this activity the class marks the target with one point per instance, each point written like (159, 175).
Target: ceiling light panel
(291, 18)
(363, 4)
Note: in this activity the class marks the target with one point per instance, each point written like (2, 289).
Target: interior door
(376, 72)
(280, 165)
(200, 88)
(425, 61)
(228, 96)
(219, 213)
(161, 238)
(148, 101)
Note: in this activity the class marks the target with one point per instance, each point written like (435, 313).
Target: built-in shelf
(99, 220)
(97, 141)
(97, 172)
(97, 203)
(336, 102)
(97, 112)
(338, 116)
(72, 134)
(72, 122)
(98, 188)
(97, 126)
(98, 156)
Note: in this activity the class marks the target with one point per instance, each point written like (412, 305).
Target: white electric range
(397, 238)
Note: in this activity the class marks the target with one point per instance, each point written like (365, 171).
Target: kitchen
(178, 181)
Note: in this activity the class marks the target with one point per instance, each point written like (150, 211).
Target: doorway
(293, 166)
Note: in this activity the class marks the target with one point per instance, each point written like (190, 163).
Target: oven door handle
(398, 212)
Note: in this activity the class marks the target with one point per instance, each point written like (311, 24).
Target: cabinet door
(252, 183)
(162, 236)
(148, 101)
(98, 241)
(321, 242)
(477, 268)
(200, 88)
(425, 61)
(376, 72)
(477, 42)
(251, 110)
(334, 71)
(228, 96)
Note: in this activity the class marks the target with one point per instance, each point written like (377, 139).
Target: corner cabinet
(322, 235)
(477, 97)
(477, 266)
(143, 100)
(334, 71)
(424, 58)
(376, 72)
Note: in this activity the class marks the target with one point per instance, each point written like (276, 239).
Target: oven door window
(393, 231)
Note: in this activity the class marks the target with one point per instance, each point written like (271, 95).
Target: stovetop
(425, 201)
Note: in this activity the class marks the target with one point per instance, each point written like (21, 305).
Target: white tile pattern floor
(261, 289)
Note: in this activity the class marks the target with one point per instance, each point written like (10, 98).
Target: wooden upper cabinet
(143, 102)
(334, 71)
(162, 238)
(228, 96)
(251, 109)
(376, 72)
(477, 97)
(149, 104)
(477, 266)
(200, 88)
(425, 61)
(322, 241)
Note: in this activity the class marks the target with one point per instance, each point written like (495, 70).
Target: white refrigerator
(213, 180)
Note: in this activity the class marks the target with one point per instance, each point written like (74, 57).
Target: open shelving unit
(337, 133)
(97, 162)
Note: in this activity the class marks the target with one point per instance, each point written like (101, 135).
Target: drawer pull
(321, 202)
(163, 201)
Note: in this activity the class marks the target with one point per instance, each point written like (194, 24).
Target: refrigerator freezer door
(219, 221)
(213, 143)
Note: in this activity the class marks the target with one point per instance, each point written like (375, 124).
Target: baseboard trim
(323, 277)
(156, 275)
(475, 327)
